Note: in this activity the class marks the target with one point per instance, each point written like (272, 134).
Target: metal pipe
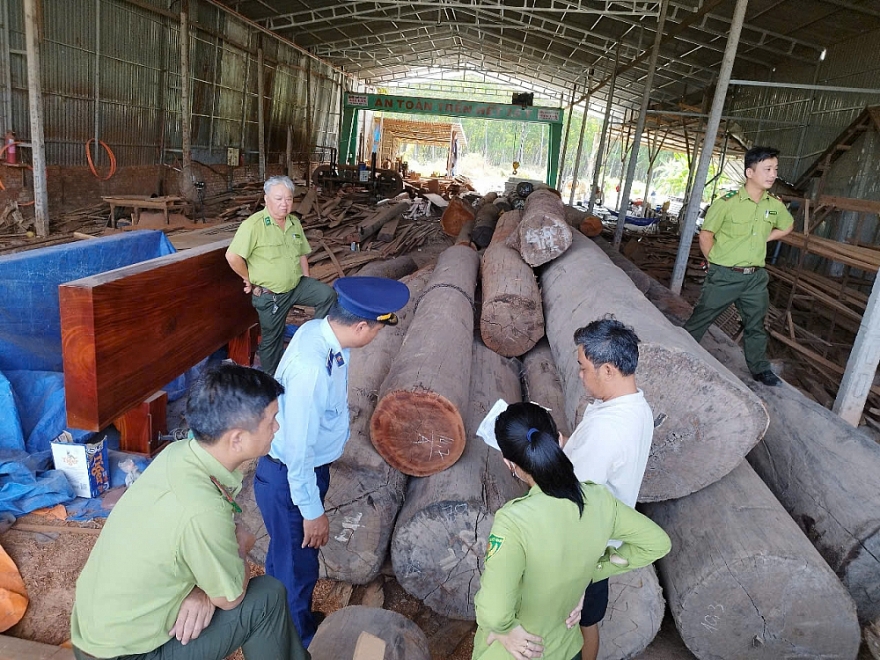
(261, 119)
(7, 70)
(244, 95)
(682, 113)
(560, 177)
(185, 107)
(97, 78)
(693, 207)
(606, 125)
(577, 158)
(33, 36)
(218, 48)
(818, 88)
(808, 112)
(640, 127)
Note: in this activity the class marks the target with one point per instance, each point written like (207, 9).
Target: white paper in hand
(486, 429)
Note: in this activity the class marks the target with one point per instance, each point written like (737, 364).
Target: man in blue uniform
(291, 482)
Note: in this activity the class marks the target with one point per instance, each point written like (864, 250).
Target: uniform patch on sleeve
(493, 545)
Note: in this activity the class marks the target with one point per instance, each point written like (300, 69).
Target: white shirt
(611, 445)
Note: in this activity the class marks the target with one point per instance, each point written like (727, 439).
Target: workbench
(166, 204)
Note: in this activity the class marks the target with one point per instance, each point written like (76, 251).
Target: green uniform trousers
(260, 625)
(272, 309)
(748, 292)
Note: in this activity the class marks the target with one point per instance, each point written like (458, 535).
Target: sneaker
(768, 378)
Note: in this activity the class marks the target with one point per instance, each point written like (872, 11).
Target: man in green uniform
(734, 240)
(167, 578)
(270, 253)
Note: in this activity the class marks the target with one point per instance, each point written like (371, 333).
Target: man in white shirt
(611, 444)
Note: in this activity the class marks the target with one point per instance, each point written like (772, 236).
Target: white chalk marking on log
(710, 621)
(440, 440)
(543, 238)
(349, 525)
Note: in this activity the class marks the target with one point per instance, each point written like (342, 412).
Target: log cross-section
(128, 332)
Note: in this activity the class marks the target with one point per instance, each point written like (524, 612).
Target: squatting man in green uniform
(734, 240)
(168, 579)
(269, 252)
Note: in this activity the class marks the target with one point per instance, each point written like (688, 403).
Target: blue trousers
(296, 567)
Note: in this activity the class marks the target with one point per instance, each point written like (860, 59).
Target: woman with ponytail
(546, 547)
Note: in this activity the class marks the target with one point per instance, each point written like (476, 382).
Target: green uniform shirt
(541, 556)
(741, 227)
(172, 530)
(272, 255)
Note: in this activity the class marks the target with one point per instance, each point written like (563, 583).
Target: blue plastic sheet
(25, 485)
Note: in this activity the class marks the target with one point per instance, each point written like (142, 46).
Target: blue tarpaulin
(32, 406)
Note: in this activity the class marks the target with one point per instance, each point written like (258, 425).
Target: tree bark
(712, 419)
(464, 234)
(635, 611)
(440, 538)
(507, 224)
(823, 471)
(417, 426)
(742, 581)
(512, 316)
(543, 234)
(393, 268)
(375, 222)
(338, 636)
(365, 492)
(542, 384)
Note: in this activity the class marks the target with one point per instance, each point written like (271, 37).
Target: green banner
(451, 108)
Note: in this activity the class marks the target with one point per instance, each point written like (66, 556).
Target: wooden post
(33, 30)
(417, 426)
(365, 492)
(261, 112)
(288, 152)
(748, 584)
(700, 440)
(187, 189)
(440, 538)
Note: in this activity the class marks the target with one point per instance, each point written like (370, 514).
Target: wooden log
(417, 426)
(742, 581)
(543, 234)
(822, 470)
(712, 419)
(386, 233)
(368, 633)
(591, 226)
(374, 223)
(305, 205)
(440, 538)
(464, 234)
(542, 384)
(574, 216)
(484, 224)
(455, 215)
(507, 224)
(636, 274)
(502, 204)
(392, 268)
(130, 331)
(365, 492)
(512, 316)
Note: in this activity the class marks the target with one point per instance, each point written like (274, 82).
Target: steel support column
(693, 207)
(577, 158)
(606, 126)
(33, 36)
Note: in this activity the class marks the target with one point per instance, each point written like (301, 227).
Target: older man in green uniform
(734, 240)
(270, 254)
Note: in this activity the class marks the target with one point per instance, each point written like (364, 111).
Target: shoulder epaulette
(729, 195)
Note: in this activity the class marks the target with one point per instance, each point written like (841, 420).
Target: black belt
(748, 270)
(260, 290)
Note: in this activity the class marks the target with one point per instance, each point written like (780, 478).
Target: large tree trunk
(464, 234)
(822, 470)
(417, 426)
(512, 316)
(742, 581)
(635, 612)
(343, 632)
(712, 419)
(440, 539)
(484, 224)
(393, 268)
(507, 224)
(374, 223)
(365, 492)
(542, 384)
(543, 234)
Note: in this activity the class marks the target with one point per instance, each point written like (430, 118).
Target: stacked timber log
(485, 221)
(392, 268)
(712, 419)
(543, 234)
(373, 224)
(512, 316)
(365, 492)
(417, 426)
(742, 581)
(822, 470)
(367, 633)
(455, 216)
(636, 603)
(440, 538)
